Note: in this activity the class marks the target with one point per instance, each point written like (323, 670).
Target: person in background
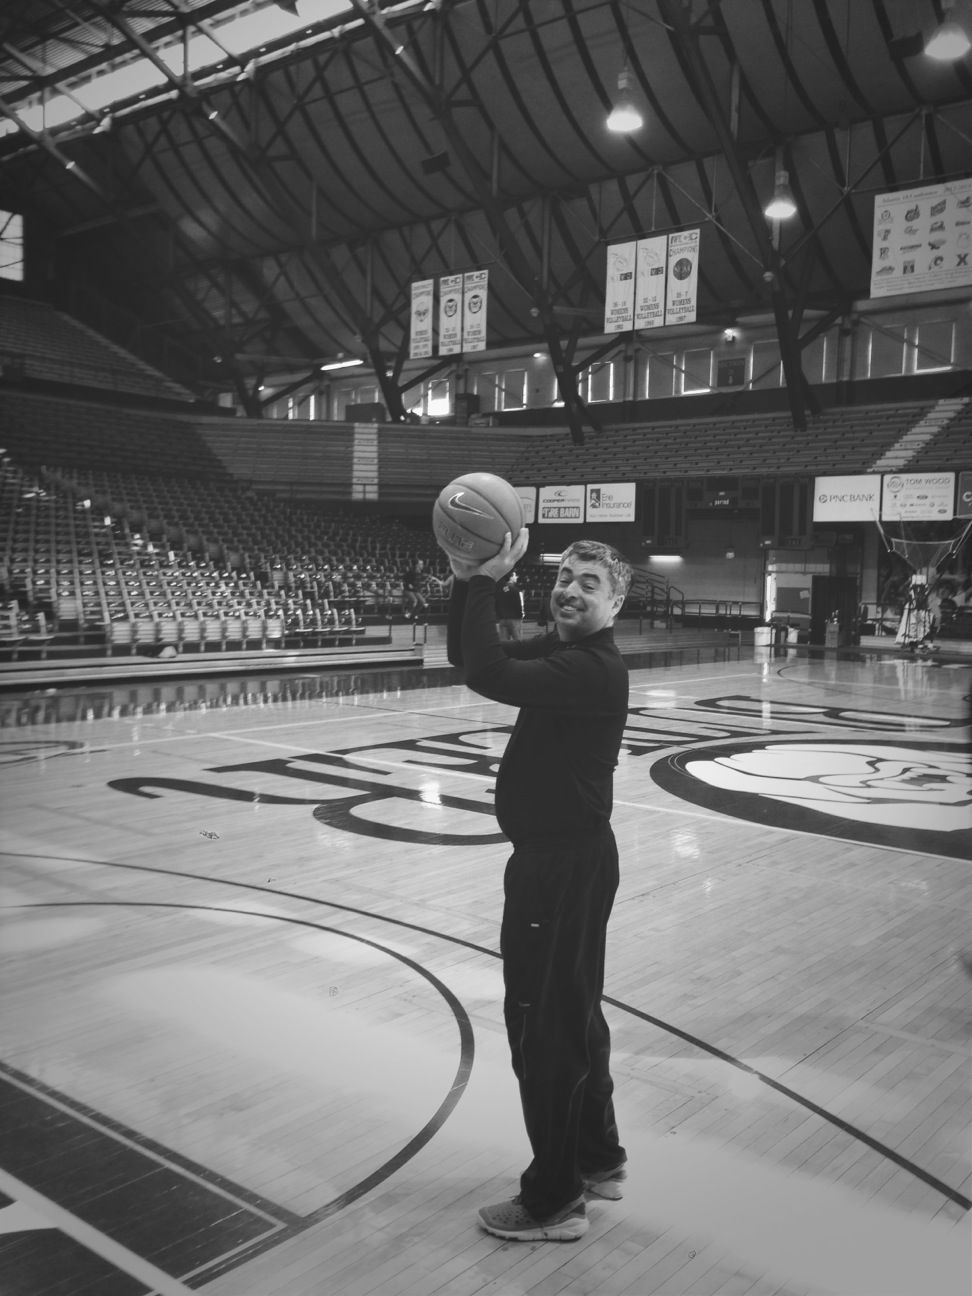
(509, 608)
(413, 591)
(554, 792)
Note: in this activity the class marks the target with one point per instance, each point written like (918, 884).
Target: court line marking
(159, 1282)
(853, 1131)
(446, 770)
(415, 768)
(723, 817)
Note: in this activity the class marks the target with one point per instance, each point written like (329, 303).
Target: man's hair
(606, 556)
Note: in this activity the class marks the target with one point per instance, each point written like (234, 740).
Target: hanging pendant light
(782, 205)
(949, 41)
(625, 115)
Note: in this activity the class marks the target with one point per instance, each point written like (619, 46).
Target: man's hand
(497, 566)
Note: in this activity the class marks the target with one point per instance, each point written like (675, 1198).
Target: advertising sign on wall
(922, 239)
(611, 502)
(963, 502)
(917, 496)
(561, 504)
(847, 499)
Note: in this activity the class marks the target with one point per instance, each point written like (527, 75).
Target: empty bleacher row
(138, 562)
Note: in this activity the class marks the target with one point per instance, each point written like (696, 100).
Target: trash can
(792, 634)
(762, 636)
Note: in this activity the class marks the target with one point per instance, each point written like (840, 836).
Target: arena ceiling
(267, 212)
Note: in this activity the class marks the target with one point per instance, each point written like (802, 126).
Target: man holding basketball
(553, 800)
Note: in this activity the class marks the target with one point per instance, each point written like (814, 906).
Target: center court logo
(911, 794)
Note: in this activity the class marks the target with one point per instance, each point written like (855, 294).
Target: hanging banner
(918, 496)
(474, 288)
(682, 280)
(649, 306)
(420, 334)
(450, 315)
(620, 288)
(922, 239)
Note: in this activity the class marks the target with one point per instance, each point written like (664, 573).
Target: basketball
(472, 515)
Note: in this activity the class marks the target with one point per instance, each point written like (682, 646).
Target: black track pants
(558, 900)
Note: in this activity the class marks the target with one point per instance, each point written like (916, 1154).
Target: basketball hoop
(925, 547)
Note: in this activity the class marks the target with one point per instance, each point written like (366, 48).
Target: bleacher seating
(152, 563)
(39, 342)
(949, 448)
(847, 439)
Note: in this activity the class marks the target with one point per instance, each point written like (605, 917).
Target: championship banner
(620, 288)
(649, 308)
(922, 239)
(474, 288)
(847, 499)
(907, 497)
(420, 333)
(561, 504)
(611, 502)
(682, 280)
(450, 315)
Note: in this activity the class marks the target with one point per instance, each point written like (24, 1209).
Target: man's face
(582, 601)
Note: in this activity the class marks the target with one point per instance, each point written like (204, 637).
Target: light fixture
(339, 364)
(288, 6)
(782, 205)
(625, 115)
(949, 41)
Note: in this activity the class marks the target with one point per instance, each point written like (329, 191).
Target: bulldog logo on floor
(911, 794)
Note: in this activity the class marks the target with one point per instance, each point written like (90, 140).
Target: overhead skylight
(242, 35)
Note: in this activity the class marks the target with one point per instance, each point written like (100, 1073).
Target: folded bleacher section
(845, 439)
(41, 344)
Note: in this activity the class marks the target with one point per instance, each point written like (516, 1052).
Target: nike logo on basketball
(456, 503)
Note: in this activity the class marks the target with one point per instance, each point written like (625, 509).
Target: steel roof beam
(687, 35)
(518, 262)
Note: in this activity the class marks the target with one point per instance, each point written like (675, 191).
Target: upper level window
(513, 389)
(486, 391)
(934, 345)
(697, 371)
(767, 365)
(438, 402)
(598, 382)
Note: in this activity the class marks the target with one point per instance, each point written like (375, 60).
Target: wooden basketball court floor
(251, 1001)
